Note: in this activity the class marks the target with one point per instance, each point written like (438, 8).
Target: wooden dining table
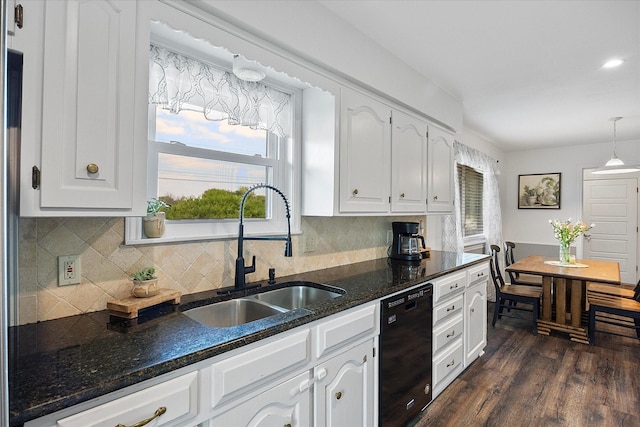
(566, 283)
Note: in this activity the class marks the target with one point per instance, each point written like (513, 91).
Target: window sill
(134, 235)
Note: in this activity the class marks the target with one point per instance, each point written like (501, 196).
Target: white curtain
(177, 82)
(491, 214)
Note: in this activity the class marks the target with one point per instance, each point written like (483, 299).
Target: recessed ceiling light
(613, 63)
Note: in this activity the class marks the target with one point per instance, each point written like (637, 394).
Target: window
(470, 183)
(211, 137)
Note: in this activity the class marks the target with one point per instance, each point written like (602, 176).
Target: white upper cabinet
(91, 148)
(440, 167)
(408, 163)
(365, 152)
(361, 157)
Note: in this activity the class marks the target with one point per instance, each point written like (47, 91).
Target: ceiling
(529, 73)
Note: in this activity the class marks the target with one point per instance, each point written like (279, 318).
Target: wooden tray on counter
(129, 307)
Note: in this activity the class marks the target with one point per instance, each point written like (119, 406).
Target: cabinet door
(172, 403)
(88, 104)
(475, 335)
(440, 171)
(344, 389)
(408, 157)
(365, 151)
(288, 404)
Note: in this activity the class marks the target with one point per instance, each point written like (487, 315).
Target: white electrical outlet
(309, 243)
(69, 270)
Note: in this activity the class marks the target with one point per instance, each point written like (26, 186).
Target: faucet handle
(252, 267)
(272, 276)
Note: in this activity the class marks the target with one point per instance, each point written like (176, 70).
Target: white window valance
(177, 82)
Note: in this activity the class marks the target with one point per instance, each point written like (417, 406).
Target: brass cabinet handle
(435, 197)
(92, 168)
(402, 195)
(451, 334)
(355, 192)
(338, 395)
(453, 307)
(161, 410)
(453, 286)
(472, 310)
(287, 425)
(453, 362)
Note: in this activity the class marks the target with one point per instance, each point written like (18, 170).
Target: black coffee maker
(406, 241)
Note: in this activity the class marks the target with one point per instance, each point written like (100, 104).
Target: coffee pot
(407, 243)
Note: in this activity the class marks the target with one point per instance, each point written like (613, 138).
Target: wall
(313, 33)
(531, 226)
(189, 267)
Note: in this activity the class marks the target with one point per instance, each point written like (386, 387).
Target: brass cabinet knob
(287, 425)
(92, 168)
(355, 192)
(402, 195)
(435, 197)
(338, 395)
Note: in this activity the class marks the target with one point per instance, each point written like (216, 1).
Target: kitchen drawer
(447, 309)
(448, 332)
(238, 375)
(448, 363)
(179, 396)
(478, 273)
(342, 329)
(449, 285)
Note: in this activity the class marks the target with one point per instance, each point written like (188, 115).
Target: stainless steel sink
(232, 313)
(247, 309)
(298, 296)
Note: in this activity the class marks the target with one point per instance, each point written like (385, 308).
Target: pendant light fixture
(615, 165)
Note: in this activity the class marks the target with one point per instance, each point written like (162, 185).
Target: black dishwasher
(405, 355)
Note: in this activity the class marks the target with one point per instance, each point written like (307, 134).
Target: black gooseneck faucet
(241, 269)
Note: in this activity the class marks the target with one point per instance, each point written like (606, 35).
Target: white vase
(153, 224)
(145, 288)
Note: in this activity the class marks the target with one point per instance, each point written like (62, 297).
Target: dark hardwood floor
(527, 380)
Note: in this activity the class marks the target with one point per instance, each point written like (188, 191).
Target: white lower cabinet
(475, 334)
(171, 403)
(459, 323)
(260, 367)
(343, 389)
(475, 319)
(288, 404)
(334, 388)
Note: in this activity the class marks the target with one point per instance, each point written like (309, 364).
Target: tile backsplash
(189, 267)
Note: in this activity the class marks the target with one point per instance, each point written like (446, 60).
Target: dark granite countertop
(59, 363)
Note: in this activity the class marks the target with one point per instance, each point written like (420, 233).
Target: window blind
(470, 183)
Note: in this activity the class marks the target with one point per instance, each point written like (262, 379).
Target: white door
(612, 204)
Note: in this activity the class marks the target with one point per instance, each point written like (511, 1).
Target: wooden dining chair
(517, 278)
(507, 295)
(613, 309)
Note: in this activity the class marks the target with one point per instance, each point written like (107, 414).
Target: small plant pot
(154, 224)
(145, 288)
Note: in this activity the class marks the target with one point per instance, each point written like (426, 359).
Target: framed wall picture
(539, 191)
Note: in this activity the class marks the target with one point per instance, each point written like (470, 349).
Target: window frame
(285, 175)
(477, 237)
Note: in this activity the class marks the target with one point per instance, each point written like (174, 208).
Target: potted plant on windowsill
(153, 223)
(145, 283)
